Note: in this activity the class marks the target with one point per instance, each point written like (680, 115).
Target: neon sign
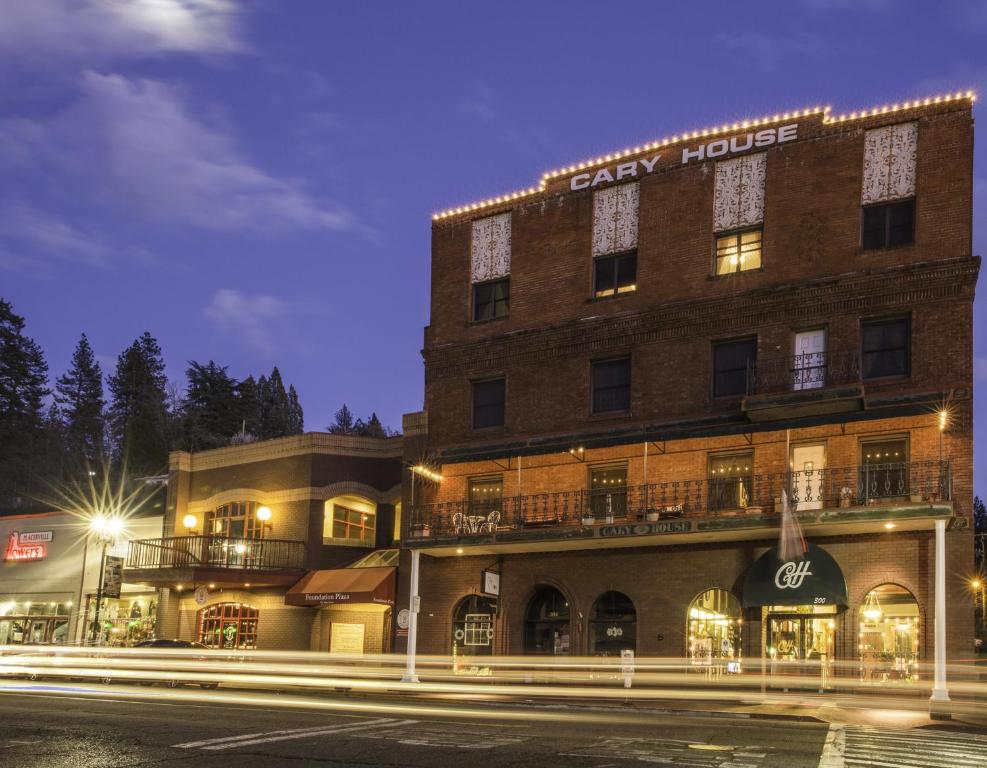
(27, 546)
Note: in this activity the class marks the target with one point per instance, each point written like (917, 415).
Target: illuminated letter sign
(623, 171)
(27, 546)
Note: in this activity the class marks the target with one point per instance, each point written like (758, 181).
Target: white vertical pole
(409, 675)
(939, 691)
(647, 500)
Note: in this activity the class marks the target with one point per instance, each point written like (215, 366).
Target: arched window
(228, 625)
(889, 635)
(613, 626)
(546, 623)
(714, 621)
(473, 626)
(236, 520)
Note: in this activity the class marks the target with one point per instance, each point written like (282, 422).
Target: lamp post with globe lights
(106, 529)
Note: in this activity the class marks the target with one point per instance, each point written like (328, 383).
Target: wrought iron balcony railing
(750, 494)
(216, 552)
(813, 370)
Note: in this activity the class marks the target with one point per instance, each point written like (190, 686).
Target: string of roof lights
(828, 119)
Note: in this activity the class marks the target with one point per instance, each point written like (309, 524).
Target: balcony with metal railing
(833, 499)
(217, 558)
(806, 384)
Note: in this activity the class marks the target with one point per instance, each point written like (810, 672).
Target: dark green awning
(816, 579)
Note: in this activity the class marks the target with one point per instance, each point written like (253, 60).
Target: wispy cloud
(136, 144)
(45, 234)
(48, 31)
(248, 316)
(481, 103)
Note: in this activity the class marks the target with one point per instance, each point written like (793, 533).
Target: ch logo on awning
(791, 575)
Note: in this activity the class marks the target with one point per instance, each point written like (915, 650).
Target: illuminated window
(714, 623)
(228, 625)
(354, 525)
(615, 274)
(486, 495)
(738, 251)
(473, 626)
(884, 468)
(889, 635)
(885, 348)
(491, 300)
(612, 385)
(237, 520)
(608, 491)
(889, 225)
(732, 361)
(731, 480)
(488, 403)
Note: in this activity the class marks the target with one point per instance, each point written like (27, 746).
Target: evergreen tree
(374, 428)
(274, 408)
(248, 405)
(79, 393)
(343, 425)
(296, 418)
(210, 408)
(138, 413)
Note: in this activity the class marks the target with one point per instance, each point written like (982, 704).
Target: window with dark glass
(732, 361)
(488, 403)
(612, 385)
(885, 348)
(731, 480)
(613, 626)
(473, 626)
(738, 251)
(608, 491)
(546, 623)
(491, 300)
(354, 525)
(615, 274)
(883, 468)
(486, 495)
(889, 224)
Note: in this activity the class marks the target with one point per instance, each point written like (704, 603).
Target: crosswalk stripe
(381, 723)
(243, 736)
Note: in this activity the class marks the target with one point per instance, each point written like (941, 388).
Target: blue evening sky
(252, 182)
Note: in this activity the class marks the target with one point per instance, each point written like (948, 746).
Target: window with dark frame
(491, 300)
(731, 480)
(228, 625)
(488, 403)
(486, 494)
(608, 491)
(615, 274)
(884, 468)
(884, 349)
(731, 365)
(888, 225)
(738, 251)
(612, 385)
(354, 525)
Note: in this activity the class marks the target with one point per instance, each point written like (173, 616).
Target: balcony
(192, 559)
(811, 384)
(827, 501)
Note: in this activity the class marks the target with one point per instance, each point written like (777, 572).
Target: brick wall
(279, 627)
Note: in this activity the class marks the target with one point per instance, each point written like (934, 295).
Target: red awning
(344, 585)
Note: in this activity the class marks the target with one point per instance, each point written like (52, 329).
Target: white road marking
(448, 735)
(834, 747)
(674, 752)
(385, 721)
(243, 736)
(918, 748)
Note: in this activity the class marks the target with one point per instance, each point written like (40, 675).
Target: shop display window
(473, 626)
(714, 622)
(889, 635)
(123, 621)
(34, 622)
(228, 625)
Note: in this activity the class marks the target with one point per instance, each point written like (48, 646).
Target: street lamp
(979, 587)
(264, 515)
(106, 530)
(189, 521)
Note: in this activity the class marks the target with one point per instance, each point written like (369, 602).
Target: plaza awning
(816, 579)
(344, 585)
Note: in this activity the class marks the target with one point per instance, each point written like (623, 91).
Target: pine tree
(374, 427)
(343, 425)
(248, 405)
(23, 387)
(210, 409)
(138, 414)
(79, 394)
(296, 417)
(274, 408)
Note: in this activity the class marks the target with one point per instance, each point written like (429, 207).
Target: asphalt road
(83, 726)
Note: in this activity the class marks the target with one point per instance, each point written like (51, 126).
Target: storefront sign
(27, 546)
(644, 529)
(112, 576)
(346, 638)
(627, 170)
(814, 580)
(491, 583)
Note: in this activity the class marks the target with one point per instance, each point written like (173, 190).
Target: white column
(409, 675)
(939, 691)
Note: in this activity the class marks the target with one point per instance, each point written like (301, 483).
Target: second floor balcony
(833, 499)
(811, 383)
(223, 559)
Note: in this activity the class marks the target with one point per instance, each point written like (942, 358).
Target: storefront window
(126, 620)
(613, 626)
(546, 625)
(889, 625)
(228, 625)
(473, 626)
(33, 622)
(715, 621)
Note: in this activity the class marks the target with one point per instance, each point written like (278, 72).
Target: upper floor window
(738, 199)
(615, 274)
(486, 494)
(615, 216)
(608, 491)
(491, 300)
(350, 520)
(890, 155)
(731, 366)
(236, 520)
(490, 266)
(738, 251)
(612, 385)
(488, 403)
(885, 348)
(889, 224)
(731, 480)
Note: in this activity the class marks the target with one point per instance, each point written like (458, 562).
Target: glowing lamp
(189, 521)
(263, 514)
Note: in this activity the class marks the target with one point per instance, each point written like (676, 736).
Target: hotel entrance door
(800, 649)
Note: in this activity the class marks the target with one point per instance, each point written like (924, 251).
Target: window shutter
(491, 249)
(889, 163)
(739, 196)
(615, 219)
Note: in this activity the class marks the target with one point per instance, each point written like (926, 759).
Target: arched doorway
(714, 624)
(889, 632)
(612, 625)
(546, 623)
(473, 626)
(228, 625)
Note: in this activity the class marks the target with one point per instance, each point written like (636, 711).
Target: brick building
(630, 366)
(282, 544)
